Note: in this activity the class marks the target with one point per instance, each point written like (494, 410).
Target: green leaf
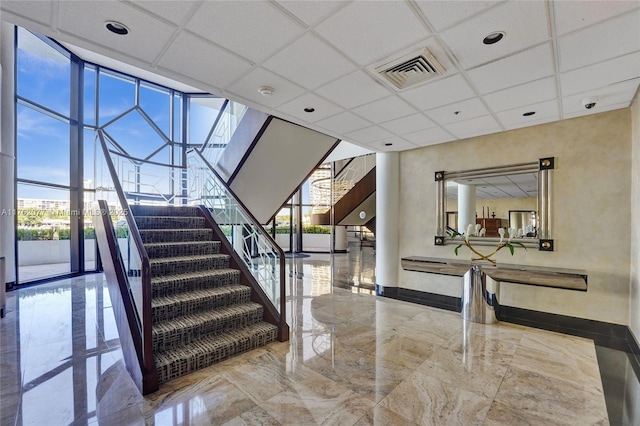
(510, 248)
(455, 250)
(521, 245)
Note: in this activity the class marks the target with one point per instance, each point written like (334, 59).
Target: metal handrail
(134, 233)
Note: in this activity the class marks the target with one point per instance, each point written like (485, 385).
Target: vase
(480, 295)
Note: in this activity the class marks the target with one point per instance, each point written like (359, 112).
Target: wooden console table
(571, 279)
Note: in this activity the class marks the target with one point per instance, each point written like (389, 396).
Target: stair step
(175, 235)
(187, 264)
(176, 332)
(192, 302)
(190, 248)
(139, 210)
(170, 222)
(209, 350)
(171, 284)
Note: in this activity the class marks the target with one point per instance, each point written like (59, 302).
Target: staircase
(201, 313)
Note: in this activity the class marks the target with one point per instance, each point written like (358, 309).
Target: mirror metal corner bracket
(545, 245)
(438, 241)
(439, 176)
(547, 163)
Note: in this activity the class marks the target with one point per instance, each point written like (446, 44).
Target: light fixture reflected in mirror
(363, 215)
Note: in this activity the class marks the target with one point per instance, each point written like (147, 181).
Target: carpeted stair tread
(170, 284)
(187, 248)
(184, 264)
(142, 210)
(212, 349)
(169, 222)
(182, 330)
(187, 303)
(175, 235)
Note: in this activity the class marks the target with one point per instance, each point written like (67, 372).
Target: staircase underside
(201, 313)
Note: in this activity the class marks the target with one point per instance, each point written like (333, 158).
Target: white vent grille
(411, 69)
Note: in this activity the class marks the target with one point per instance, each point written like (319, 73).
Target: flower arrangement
(480, 232)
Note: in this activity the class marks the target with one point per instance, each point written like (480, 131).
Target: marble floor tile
(426, 400)
(476, 375)
(352, 358)
(540, 395)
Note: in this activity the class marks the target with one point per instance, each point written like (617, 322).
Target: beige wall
(634, 300)
(591, 212)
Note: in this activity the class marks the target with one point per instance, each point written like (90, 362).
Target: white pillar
(7, 151)
(466, 207)
(387, 212)
(340, 235)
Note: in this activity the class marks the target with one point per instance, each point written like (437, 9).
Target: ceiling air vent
(411, 69)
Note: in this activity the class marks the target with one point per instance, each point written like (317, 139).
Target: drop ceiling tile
(520, 68)
(252, 29)
(610, 107)
(323, 108)
(37, 11)
(602, 74)
(442, 14)
(523, 22)
(573, 15)
(354, 89)
(367, 31)
(410, 124)
(311, 12)
(172, 11)
(397, 144)
(465, 110)
(606, 40)
(211, 65)
(473, 127)
(343, 123)
(384, 109)
(543, 110)
(248, 86)
(621, 93)
(86, 20)
(525, 94)
(369, 134)
(439, 93)
(428, 137)
(309, 62)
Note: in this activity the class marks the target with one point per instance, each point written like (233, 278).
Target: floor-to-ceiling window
(62, 101)
(43, 157)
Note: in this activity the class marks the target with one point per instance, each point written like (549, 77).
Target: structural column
(387, 213)
(466, 206)
(340, 239)
(7, 151)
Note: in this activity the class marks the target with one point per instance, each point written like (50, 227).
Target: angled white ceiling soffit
(327, 56)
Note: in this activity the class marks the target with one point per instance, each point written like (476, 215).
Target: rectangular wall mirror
(515, 197)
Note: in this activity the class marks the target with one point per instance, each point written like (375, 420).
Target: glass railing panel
(259, 252)
(226, 125)
(128, 254)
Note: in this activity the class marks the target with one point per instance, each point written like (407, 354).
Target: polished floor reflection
(353, 358)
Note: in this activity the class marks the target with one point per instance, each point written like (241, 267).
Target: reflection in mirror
(487, 201)
(514, 197)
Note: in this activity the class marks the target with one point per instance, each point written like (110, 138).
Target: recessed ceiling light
(493, 38)
(116, 27)
(527, 114)
(388, 144)
(266, 90)
(309, 109)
